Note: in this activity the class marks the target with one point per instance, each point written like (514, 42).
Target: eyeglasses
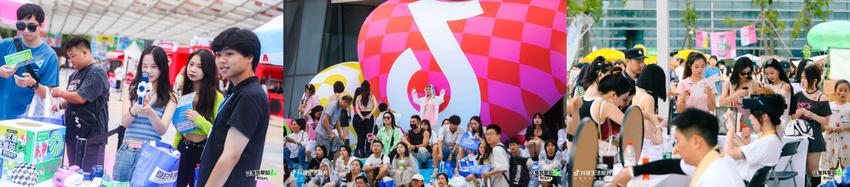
(21, 26)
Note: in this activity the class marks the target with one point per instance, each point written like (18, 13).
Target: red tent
(179, 59)
(274, 72)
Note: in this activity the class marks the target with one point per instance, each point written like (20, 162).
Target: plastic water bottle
(629, 155)
(143, 88)
(344, 184)
(668, 148)
(299, 176)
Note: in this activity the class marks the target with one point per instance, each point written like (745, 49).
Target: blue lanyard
(226, 98)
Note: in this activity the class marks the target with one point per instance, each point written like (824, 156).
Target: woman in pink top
(689, 92)
(308, 101)
(429, 106)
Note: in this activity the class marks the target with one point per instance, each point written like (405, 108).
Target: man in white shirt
(499, 158)
(766, 111)
(446, 147)
(377, 165)
(696, 137)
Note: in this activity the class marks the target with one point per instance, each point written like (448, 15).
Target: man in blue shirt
(712, 70)
(17, 86)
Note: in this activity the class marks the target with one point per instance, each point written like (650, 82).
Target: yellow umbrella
(650, 60)
(609, 54)
(683, 54)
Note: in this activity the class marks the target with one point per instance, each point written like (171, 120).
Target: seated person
(404, 165)
(325, 176)
(765, 117)
(696, 136)
(377, 165)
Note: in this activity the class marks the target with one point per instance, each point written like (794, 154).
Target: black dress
(821, 108)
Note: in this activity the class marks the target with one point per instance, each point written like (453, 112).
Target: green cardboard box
(32, 142)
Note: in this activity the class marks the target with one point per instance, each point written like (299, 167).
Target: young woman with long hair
(149, 121)
(740, 83)
(777, 80)
(811, 106)
(200, 79)
(364, 105)
(693, 97)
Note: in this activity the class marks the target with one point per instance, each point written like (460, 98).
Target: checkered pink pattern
(516, 47)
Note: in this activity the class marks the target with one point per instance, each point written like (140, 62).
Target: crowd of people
(700, 87)
(601, 92)
(231, 124)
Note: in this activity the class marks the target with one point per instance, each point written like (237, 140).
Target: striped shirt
(142, 129)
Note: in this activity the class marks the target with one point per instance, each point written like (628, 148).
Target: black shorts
(344, 119)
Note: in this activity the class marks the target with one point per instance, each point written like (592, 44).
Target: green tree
(689, 20)
(592, 8)
(769, 25)
(811, 9)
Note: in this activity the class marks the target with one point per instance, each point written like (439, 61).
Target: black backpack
(518, 174)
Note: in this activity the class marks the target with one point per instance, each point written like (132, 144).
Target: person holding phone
(17, 86)
(740, 83)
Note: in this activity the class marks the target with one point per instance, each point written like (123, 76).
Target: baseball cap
(634, 53)
(418, 177)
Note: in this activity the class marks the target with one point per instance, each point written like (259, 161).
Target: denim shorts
(125, 163)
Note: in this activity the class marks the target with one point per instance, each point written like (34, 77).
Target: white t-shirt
(562, 137)
(722, 172)
(300, 137)
(500, 159)
(760, 153)
(680, 71)
(373, 160)
(447, 137)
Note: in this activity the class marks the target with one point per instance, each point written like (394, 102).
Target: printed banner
(723, 44)
(748, 35)
(701, 39)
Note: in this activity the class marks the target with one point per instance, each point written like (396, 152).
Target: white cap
(418, 177)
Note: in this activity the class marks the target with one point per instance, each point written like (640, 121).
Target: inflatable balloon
(347, 72)
(834, 34)
(501, 60)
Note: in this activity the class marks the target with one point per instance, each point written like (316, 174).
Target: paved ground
(273, 152)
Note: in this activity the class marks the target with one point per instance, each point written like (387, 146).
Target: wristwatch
(33, 86)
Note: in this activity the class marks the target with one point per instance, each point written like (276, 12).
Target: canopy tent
(271, 39)
(178, 20)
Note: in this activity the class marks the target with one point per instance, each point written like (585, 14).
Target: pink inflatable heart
(502, 60)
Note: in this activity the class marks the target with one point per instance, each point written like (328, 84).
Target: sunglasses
(746, 73)
(21, 26)
(387, 117)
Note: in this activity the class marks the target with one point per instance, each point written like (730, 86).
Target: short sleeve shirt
(449, 138)
(758, 154)
(698, 99)
(15, 99)
(245, 109)
(381, 159)
(333, 111)
(500, 160)
(90, 118)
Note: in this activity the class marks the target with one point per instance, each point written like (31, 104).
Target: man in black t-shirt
(234, 149)
(86, 102)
